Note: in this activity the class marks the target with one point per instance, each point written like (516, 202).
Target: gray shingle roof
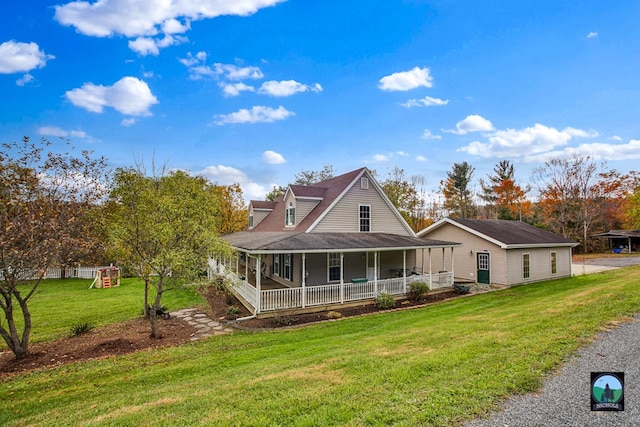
(512, 233)
(263, 242)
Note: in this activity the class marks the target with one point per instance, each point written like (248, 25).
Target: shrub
(285, 320)
(334, 315)
(385, 301)
(417, 291)
(461, 289)
(233, 312)
(81, 328)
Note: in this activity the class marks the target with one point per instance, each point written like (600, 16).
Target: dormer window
(250, 220)
(290, 215)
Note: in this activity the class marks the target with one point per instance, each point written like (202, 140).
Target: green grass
(437, 365)
(59, 304)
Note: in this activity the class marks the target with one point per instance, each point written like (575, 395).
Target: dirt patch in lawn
(134, 335)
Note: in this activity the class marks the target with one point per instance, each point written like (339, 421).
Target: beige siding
(344, 217)
(539, 264)
(465, 265)
(303, 207)
(505, 266)
(258, 215)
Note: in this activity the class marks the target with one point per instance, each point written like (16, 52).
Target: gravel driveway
(564, 399)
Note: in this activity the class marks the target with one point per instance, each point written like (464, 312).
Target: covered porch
(268, 275)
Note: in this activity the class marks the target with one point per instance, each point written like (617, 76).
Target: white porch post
(341, 277)
(430, 273)
(404, 271)
(375, 272)
(304, 280)
(452, 272)
(246, 266)
(258, 289)
(237, 262)
(443, 251)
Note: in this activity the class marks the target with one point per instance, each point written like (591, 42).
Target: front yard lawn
(437, 365)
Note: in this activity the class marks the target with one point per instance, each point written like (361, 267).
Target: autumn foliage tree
(570, 197)
(46, 200)
(232, 213)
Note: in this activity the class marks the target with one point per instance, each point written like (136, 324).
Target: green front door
(483, 268)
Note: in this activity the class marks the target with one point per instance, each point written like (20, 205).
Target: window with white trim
(554, 263)
(526, 266)
(251, 221)
(283, 266)
(364, 183)
(365, 218)
(334, 267)
(276, 264)
(290, 215)
(288, 267)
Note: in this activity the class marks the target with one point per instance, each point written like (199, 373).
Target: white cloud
(421, 158)
(273, 158)
(128, 95)
(428, 135)
(61, 133)
(407, 80)
(17, 57)
(525, 142)
(257, 114)
(596, 150)
(227, 175)
(427, 101)
(380, 158)
(233, 72)
(24, 79)
(287, 88)
(144, 46)
(192, 60)
(616, 138)
(234, 89)
(129, 121)
(149, 46)
(472, 123)
(592, 34)
(148, 18)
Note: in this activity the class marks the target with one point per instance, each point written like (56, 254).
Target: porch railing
(309, 296)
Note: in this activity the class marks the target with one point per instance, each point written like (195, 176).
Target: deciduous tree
(569, 196)
(164, 227)
(46, 196)
(232, 215)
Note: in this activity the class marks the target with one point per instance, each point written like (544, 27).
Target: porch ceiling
(291, 242)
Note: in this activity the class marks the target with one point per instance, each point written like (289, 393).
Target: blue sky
(254, 91)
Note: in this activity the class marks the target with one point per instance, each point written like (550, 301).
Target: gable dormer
(299, 201)
(259, 210)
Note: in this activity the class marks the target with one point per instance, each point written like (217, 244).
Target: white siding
(344, 217)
